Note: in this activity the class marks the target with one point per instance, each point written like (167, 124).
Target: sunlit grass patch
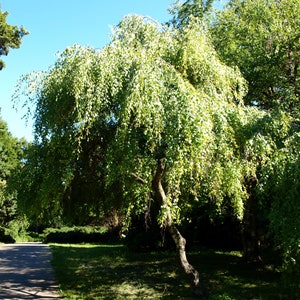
(133, 289)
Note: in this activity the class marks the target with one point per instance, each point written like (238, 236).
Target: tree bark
(250, 235)
(179, 240)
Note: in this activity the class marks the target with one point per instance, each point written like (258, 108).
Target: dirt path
(26, 272)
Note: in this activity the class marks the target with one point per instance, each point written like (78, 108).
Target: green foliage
(11, 151)
(104, 119)
(261, 38)
(17, 228)
(153, 92)
(64, 191)
(32, 182)
(184, 12)
(8, 207)
(281, 186)
(5, 237)
(10, 36)
(86, 234)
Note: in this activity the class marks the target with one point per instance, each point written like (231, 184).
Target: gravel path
(26, 272)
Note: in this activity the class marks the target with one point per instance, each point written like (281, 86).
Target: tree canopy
(159, 94)
(164, 115)
(184, 12)
(262, 38)
(10, 157)
(10, 36)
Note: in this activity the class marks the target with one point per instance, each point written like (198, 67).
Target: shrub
(5, 237)
(86, 234)
(17, 228)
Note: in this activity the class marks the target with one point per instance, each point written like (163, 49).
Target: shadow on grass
(113, 272)
(229, 277)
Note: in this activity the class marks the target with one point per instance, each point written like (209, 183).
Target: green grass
(113, 272)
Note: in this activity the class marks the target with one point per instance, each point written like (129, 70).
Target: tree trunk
(250, 236)
(179, 240)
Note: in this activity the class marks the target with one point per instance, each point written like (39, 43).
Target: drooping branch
(138, 178)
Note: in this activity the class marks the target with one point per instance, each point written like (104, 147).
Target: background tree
(10, 36)
(280, 188)
(184, 12)
(10, 148)
(10, 159)
(56, 186)
(33, 185)
(262, 39)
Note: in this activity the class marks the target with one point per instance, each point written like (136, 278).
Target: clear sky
(53, 26)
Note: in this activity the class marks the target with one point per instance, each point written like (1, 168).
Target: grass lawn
(111, 271)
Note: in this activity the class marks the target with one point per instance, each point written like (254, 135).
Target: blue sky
(53, 26)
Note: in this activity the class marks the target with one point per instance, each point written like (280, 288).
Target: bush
(73, 235)
(17, 228)
(5, 237)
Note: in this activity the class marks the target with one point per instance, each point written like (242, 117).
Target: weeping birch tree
(165, 115)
